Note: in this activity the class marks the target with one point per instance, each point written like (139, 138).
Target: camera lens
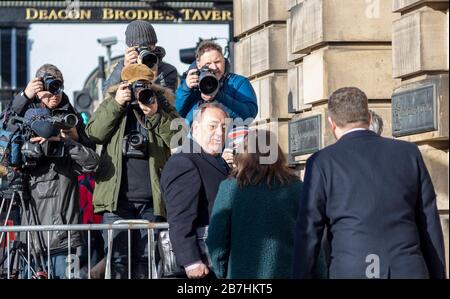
(148, 58)
(208, 83)
(52, 85)
(145, 95)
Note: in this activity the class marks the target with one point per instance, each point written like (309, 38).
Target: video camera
(17, 150)
(207, 82)
(141, 91)
(147, 57)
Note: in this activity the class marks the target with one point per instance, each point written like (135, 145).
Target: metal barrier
(110, 228)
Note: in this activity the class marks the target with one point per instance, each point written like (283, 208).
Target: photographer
(135, 133)
(52, 181)
(233, 92)
(140, 36)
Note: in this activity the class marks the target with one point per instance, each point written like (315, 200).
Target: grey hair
(198, 113)
(376, 125)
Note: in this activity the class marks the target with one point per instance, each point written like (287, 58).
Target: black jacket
(189, 184)
(167, 73)
(376, 198)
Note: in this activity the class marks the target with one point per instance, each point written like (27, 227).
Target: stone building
(296, 52)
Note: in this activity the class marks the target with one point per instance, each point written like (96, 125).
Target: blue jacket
(236, 95)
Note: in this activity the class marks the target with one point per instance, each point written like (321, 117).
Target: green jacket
(107, 127)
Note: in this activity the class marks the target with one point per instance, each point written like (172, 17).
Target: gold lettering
(43, 14)
(197, 16)
(85, 14)
(187, 14)
(108, 14)
(216, 16)
(142, 14)
(226, 15)
(31, 14)
(119, 15)
(52, 15)
(159, 16)
(130, 14)
(62, 15)
(170, 16)
(206, 14)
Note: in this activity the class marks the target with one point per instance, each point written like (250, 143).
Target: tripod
(18, 195)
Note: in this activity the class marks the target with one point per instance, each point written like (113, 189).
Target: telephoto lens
(208, 83)
(146, 57)
(141, 92)
(52, 85)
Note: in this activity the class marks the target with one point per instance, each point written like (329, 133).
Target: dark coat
(189, 184)
(251, 235)
(376, 198)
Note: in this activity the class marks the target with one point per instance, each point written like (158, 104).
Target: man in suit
(376, 199)
(189, 184)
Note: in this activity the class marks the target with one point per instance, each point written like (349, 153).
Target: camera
(141, 91)
(135, 145)
(147, 57)
(207, 82)
(52, 85)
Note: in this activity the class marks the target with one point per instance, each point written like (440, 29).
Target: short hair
(206, 46)
(198, 113)
(376, 125)
(348, 105)
(51, 70)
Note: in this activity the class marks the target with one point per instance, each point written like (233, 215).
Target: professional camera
(135, 145)
(16, 148)
(141, 91)
(207, 83)
(52, 85)
(147, 57)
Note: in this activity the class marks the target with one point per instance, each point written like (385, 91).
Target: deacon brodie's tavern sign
(115, 14)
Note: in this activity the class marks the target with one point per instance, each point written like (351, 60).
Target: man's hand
(198, 272)
(192, 79)
(131, 56)
(41, 140)
(228, 156)
(123, 94)
(149, 110)
(71, 133)
(34, 86)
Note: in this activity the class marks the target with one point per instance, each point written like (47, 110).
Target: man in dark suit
(376, 199)
(189, 184)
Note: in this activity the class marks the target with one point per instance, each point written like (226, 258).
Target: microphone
(40, 126)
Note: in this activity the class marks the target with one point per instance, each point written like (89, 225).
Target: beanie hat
(134, 72)
(140, 33)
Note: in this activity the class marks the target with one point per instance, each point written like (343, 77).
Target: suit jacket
(377, 200)
(189, 184)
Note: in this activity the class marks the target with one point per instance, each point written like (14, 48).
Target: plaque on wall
(414, 111)
(305, 136)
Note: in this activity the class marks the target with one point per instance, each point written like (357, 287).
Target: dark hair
(348, 105)
(206, 46)
(249, 170)
(51, 70)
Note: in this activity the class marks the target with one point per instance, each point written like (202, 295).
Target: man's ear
(332, 123)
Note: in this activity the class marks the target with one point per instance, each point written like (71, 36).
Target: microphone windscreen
(236, 136)
(44, 128)
(34, 113)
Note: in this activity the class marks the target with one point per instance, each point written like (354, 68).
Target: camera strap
(138, 117)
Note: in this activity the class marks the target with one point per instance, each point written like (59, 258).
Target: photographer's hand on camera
(192, 79)
(71, 133)
(34, 86)
(131, 56)
(123, 94)
(41, 140)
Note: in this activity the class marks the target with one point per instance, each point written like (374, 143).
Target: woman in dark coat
(251, 232)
